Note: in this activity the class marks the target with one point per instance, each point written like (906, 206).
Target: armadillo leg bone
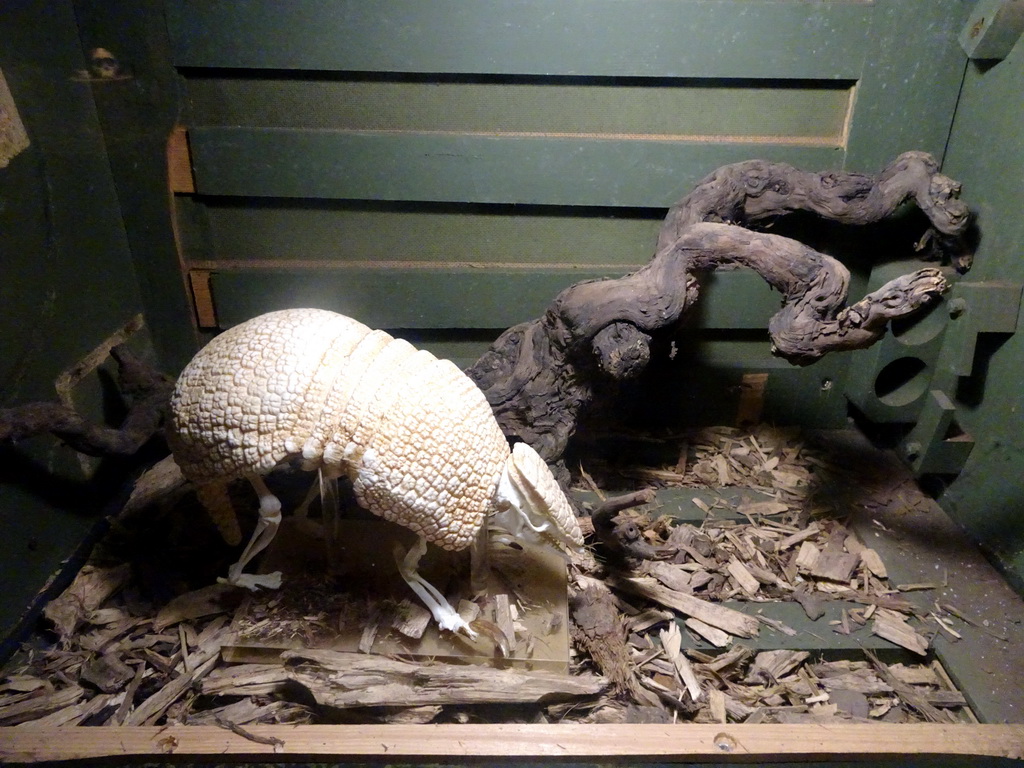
(314, 492)
(479, 561)
(442, 611)
(330, 513)
(266, 529)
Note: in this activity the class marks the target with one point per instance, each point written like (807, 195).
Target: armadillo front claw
(254, 581)
(442, 611)
(493, 631)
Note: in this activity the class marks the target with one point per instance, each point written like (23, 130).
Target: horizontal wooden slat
(661, 38)
(277, 231)
(734, 299)
(683, 742)
(812, 112)
(395, 298)
(267, 162)
(455, 298)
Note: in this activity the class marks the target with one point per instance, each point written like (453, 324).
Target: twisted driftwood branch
(147, 390)
(539, 376)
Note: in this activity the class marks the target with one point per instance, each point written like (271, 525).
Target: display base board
(354, 599)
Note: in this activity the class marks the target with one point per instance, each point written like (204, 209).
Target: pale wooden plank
(683, 741)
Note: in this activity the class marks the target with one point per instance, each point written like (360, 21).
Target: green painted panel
(67, 284)
(811, 112)
(136, 116)
(911, 81)
(268, 162)
(702, 385)
(986, 153)
(396, 298)
(247, 233)
(454, 298)
(735, 299)
(659, 38)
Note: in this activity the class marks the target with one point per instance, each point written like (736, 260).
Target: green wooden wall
(469, 161)
(987, 152)
(67, 284)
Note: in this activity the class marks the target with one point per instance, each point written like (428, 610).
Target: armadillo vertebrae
(412, 432)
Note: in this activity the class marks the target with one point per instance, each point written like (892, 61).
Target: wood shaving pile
(669, 636)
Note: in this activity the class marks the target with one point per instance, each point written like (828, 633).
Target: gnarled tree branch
(539, 376)
(149, 394)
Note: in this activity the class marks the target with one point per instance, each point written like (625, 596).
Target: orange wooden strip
(202, 298)
(179, 162)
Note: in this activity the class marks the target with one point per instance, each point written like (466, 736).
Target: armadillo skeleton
(414, 435)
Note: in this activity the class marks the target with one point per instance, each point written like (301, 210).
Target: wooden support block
(993, 29)
(752, 387)
(179, 163)
(202, 298)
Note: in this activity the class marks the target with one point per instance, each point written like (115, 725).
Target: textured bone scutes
(301, 379)
(385, 367)
(387, 390)
(244, 401)
(351, 332)
(533, 474)
(434, 462)
(327, 432)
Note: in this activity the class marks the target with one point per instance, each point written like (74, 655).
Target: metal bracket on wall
(993, 29)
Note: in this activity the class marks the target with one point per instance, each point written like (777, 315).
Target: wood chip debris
(671, 639)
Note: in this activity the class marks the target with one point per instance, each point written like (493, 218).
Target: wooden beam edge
(179, 162)
(202, 298)
(734, 742)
